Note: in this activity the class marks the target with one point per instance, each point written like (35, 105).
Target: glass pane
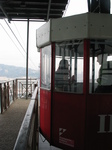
(46, 67)
(69, 66)
(101, 66)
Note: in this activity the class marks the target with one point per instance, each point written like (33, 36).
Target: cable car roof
(77, 27)
(32, 9)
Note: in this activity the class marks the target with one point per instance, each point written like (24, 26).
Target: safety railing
(28, 135)
(13, 89)
(32, 83)
(8, 93)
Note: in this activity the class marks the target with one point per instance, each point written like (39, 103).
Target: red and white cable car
(76, 103)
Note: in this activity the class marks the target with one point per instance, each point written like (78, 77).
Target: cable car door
(68, 102)
(45, 92)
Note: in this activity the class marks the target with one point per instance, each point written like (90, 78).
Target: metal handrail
(22, 86)
(28, 134)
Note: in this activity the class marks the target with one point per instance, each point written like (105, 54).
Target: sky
(13, 53)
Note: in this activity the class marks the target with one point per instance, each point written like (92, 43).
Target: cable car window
(46, 67)
(69, 66)
(101, 66)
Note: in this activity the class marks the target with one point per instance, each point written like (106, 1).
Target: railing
(8, 93)
(28, 135)
(13, 89)
(32, 83)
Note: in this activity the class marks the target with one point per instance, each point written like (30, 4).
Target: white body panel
(83, 26)
(43, 35)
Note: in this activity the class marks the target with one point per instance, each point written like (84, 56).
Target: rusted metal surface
(8, 93)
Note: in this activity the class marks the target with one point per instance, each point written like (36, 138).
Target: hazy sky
(12, 53)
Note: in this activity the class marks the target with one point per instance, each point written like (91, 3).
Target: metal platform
(10, 123)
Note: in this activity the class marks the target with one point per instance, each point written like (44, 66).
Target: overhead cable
(19, 42)
(11, 39)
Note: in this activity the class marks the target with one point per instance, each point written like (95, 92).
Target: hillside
(15, 72)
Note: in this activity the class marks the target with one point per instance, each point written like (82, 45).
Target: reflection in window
(69, 66)
(46, 67)
(101, 66)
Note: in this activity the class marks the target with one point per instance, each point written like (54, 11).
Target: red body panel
(78, 122)
(45, 113)
(99, 122)
(68, 121)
